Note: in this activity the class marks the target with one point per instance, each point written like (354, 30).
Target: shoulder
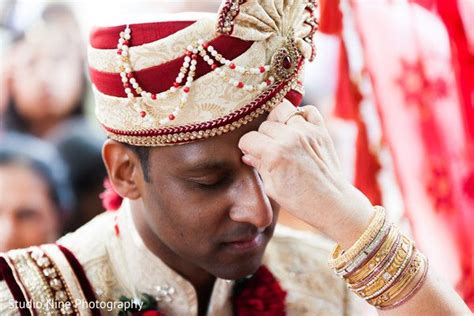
(88, 243)
(42, 280)
(299, 260)
(52, 277)
(295, 248)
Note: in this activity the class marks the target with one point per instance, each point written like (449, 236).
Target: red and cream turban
(174, 82)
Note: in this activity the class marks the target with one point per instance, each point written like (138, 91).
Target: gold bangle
(413, 290)
(339, 259)
(366, 254)
(376, 261)
(386, 299)
(387, 276)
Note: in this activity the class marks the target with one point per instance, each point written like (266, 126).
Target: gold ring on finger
(298, 111)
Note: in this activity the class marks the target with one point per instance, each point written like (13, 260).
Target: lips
(246, 243)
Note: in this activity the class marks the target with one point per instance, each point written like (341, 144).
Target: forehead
(59, 43)
(20, 176)
(223, 148)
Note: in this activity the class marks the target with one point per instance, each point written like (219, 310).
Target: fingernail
(246, 159)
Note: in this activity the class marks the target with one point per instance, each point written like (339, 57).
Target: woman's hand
(300, 170)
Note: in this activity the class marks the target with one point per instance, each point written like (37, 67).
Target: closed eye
(212, 184)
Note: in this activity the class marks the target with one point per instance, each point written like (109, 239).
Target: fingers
(286, 109)
(275, 130)
(251, 161)
(283, 111)
(273, 133)
(313, 115)
(255, 144)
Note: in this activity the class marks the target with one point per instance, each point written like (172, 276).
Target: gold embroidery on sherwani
(44, 283)
(30, 277)
(7, 301)
(16, 277)
(69, 277)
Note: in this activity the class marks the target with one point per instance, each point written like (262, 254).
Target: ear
(123, 168)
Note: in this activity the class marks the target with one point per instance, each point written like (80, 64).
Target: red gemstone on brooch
(176, 84)
(232, 66)
(186, 89)
(287, 63)
(142, 113)
(153, 96)
(129, 75)
(240, 85)
(171, 117)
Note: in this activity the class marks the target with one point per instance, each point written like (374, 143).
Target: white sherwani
(121, 265)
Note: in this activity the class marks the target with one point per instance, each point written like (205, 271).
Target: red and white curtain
(419, 61)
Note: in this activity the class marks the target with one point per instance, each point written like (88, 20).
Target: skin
(326, 200)
(28, 216)
(188, 224)
(200, 198)
(46, 80)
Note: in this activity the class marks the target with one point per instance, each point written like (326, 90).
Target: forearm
(433, 297)
(293, 153)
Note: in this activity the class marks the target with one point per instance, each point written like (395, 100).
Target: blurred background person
(47, 97)
(81, 151)
(45, 74)
(35, 193)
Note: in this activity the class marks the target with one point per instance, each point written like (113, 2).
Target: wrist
(349, 218)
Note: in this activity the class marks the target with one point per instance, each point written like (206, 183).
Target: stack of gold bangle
(383, 266)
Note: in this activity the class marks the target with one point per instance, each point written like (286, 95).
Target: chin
(238, 272)
(239, 268)
(234, 264)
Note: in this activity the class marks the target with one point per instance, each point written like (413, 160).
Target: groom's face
(208, 208)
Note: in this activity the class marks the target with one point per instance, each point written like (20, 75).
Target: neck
(202, 281)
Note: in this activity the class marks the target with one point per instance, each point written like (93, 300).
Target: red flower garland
(151, 313)
(260, 295)
(111, 200)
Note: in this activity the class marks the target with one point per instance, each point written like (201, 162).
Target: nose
(251, 205)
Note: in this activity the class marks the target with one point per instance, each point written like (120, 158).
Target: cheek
(185, 223)
(42, 230)
(27, 104)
